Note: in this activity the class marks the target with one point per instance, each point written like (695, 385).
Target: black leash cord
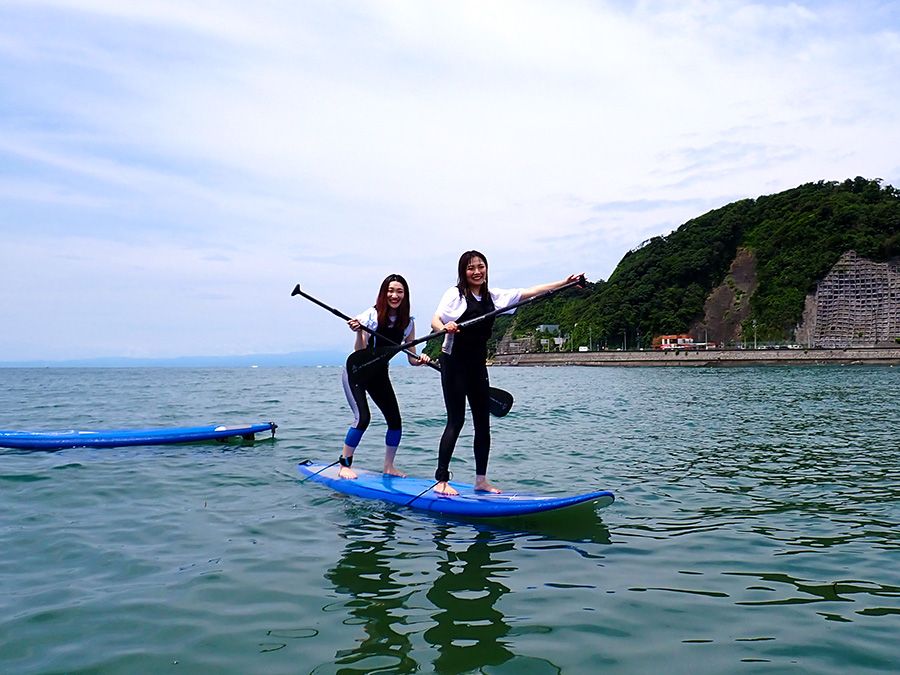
(430, 487)
(307, 462)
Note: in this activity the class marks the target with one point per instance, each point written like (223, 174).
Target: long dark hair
(382, 307)
(464, 261)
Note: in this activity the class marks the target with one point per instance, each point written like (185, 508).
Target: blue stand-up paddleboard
(417, 493)
(113, 438)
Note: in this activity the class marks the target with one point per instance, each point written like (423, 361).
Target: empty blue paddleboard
(417, 493)
(113, 438)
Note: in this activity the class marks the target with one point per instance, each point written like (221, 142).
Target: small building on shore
(679, 341)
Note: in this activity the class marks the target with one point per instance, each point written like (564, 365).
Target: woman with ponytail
(464, 374)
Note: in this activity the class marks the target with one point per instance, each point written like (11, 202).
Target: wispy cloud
(231, 149)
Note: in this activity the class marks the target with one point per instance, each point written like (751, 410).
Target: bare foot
(444, 488)
(484, 486)
(347, 472)
(393, 471)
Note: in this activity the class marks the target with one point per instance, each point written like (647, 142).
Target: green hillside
(661, 286)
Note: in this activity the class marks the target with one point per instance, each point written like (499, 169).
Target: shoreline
(888, 356)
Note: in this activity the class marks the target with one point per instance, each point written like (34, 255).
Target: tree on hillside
(797, 236)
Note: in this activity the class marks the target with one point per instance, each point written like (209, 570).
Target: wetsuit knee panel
(392, 437)
(354, 436)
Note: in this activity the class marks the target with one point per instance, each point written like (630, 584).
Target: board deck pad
(114, 438)
(417, 493)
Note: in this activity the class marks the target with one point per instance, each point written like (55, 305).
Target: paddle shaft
(500, 401)
(580, 281)
(298, 291)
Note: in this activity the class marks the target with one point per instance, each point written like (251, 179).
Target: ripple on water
(755, 522)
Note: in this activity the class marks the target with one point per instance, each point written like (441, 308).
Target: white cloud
(339, 142)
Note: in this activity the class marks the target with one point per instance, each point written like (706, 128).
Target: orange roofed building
(682, 341)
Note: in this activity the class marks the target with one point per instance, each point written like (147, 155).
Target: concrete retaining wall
(760, 357)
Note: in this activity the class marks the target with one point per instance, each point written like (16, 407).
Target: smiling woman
(465, 314)
(391, 319)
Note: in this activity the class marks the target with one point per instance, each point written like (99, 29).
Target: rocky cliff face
(729, 304)
(857, 304)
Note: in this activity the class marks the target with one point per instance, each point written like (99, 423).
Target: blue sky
(169, 170)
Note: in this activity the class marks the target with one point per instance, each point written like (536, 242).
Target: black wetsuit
(464, 376)
(379, 387)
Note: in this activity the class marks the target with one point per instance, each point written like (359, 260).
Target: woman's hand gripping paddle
(362, 364)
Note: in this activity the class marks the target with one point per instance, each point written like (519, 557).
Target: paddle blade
(500, 402)
(363, 364)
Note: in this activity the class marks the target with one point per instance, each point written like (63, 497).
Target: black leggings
(381, 390)
(462, 379)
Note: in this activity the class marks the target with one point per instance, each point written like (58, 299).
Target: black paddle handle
(299, 291)
(580, 281)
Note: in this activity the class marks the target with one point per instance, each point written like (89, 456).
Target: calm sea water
(756, 528)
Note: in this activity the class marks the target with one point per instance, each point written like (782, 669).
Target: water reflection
(431, 585)
(470, 629)
(379, 603)
(389, 581)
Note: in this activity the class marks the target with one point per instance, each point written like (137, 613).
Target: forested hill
(795, 237)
